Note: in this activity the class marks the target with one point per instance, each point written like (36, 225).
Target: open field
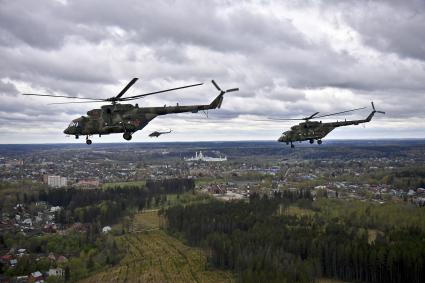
(146, 221)
(124, 184)
(297, 211)
(154, 256)
(187, 198)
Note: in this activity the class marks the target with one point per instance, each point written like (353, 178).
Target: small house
(59, 272)
(106, 229)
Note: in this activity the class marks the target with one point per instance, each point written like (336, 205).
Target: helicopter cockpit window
(74, 124)
(286, 133)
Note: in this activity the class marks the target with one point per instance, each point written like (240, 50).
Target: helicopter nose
(66, 131)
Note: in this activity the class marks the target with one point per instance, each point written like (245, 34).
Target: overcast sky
(289, 59)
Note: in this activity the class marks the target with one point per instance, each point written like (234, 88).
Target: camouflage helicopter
(127, 118)
(316, 130)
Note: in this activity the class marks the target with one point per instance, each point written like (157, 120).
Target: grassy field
(296, 211)
(154, 256)
(124, 184)
(187, 198)
(148, 220)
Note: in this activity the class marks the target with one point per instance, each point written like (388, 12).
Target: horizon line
(211, 141)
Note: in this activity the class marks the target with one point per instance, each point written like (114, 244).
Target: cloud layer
(289, 59)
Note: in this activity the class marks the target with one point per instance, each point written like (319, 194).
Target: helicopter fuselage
(127, 118)
(117, 118)
(315, 130)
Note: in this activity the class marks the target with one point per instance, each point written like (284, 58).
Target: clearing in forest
(154, 256)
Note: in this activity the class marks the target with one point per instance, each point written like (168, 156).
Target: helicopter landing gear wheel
(319, 141)
(311, 141)
(88, 141)
(76, 137)
(292, 146)
(127, 136)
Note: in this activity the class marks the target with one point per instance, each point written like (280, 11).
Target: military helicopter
(158, 133)
(316, 130)
(127, 118)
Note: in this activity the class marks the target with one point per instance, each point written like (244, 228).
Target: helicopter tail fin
(217, 102)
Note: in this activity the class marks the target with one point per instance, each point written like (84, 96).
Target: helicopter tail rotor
(223, 91)
(219, 100)
(374, 110)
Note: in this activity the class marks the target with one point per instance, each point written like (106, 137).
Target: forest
(263, 240)
(107, 206)
(88, 249)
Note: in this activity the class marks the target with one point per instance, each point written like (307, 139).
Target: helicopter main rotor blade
(126, 87)
(93, 101)
(232, 89)
(311, 117)
(155, 92)
(216, 85)
(60, 96)
(342, 112)
(291, 119)
(279, 119)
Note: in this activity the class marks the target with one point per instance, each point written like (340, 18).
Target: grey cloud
(207, 25)
(7, 88)
(92, 48)
(41, 25)
(389, 26)
(28, 22)
(144, 23)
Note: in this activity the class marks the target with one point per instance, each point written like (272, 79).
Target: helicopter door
(107, 116)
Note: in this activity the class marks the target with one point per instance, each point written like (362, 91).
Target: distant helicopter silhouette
(158, 133)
